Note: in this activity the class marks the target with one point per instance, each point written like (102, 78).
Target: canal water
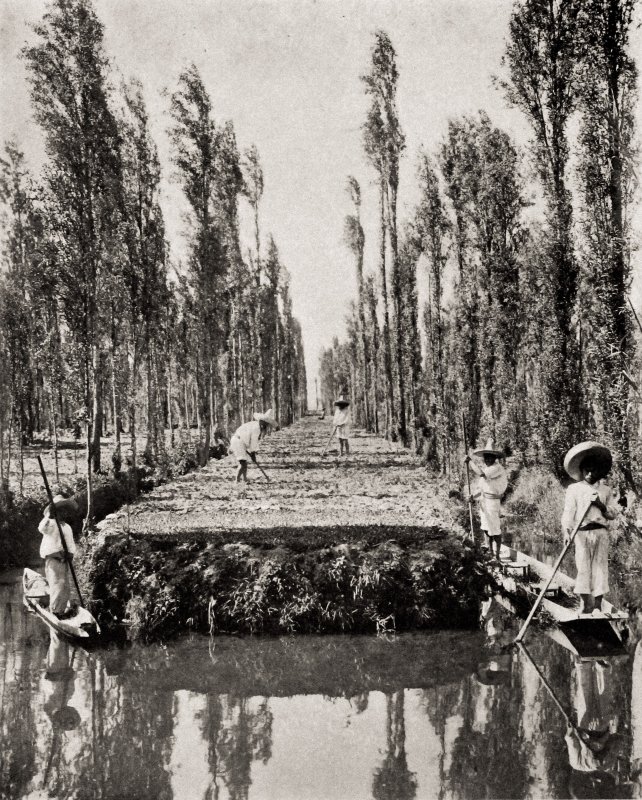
(441, 715)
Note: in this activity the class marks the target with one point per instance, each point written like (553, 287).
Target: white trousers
(592, 562)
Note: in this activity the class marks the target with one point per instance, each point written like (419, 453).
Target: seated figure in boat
(589, 506)
(51, 549)
(492, 484)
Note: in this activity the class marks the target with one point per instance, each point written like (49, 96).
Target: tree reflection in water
(236, 736)
(495, 730)
(393, 780)
(17, 730)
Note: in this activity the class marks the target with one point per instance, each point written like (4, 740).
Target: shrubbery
(156, 590)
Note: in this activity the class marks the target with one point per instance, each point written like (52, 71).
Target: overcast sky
(286, 72)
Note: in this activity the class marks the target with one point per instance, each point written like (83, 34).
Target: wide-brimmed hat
(267, 417)
(489, 450)
(342, 401)
(66, 508)
(596, 451)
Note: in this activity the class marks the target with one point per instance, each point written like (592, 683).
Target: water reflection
(448, 715)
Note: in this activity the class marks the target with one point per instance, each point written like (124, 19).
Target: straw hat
(577, 454)
(489, 450)
(66, 508)
(342, 401)
(267, 417)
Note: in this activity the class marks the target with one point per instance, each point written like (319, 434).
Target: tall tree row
(525, 331)
(99, 330)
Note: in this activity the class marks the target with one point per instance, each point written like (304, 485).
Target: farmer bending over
(51, 549)
(245, 442)
(589, 463)
(492, 485)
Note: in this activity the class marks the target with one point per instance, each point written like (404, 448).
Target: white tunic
(246, 440)
(51, 538)
(341, 421)
(492, 484)
(591, 546)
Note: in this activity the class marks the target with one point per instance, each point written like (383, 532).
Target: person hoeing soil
(245, 442)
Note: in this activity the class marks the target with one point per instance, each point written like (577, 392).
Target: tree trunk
(398, 305)
(97, 409)
(390, 400)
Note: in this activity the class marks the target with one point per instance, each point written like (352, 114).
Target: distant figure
(245, 442)
(589, 463)
(491, 487)
(341, 423)
(51, 549)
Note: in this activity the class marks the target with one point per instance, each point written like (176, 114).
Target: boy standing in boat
(245, 442)
(591, 504)
(52, 550)
(493, 482)
(341, 423)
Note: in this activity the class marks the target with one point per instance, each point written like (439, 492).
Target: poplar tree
(195, 144)
(144, 270)
(431, 228)
(68, 75)
(542, 57)
(253, 185)
(606, 169)
(384, 144)
(355, 239)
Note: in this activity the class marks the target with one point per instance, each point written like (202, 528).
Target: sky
(286, 73)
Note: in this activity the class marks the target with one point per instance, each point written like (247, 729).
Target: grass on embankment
(286, 581)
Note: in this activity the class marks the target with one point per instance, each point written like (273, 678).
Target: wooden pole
(62, 538)
(470, 496)
(329, 440)
(536, 605)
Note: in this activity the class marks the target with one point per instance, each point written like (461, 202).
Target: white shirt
(51, 538)
(248, 433)
(578, 496)
(341, 416)
(493, 481)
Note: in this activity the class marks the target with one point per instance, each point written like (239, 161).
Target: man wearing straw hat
(245, 442)
(341, 423)
(492, 485)
(52, 550)
(590, 503)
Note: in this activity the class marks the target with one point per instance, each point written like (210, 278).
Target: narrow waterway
(442, 715)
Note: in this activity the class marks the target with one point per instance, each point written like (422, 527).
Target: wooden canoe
(81, 627)
(586, 635)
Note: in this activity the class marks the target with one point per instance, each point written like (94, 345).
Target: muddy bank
(332, 580)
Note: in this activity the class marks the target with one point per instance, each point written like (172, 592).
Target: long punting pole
(536, 605)
(62, 537)
(470, 496)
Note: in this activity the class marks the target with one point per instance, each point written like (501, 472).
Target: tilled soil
(379, 485)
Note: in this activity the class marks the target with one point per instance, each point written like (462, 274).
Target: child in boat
(589, 504)
(341, 423)
(51, 549)
(245, 442)
(493, 482)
